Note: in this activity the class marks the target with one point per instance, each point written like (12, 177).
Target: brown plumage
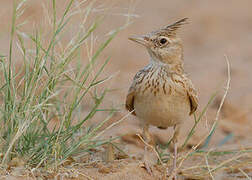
(161, 94)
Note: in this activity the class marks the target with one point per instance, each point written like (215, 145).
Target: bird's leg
(147, 136)
(175, 141)
(148, 140)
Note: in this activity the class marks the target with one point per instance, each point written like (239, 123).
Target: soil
(216, 28)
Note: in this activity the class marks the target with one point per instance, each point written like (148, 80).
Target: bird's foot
(148, 167)
(171, 174)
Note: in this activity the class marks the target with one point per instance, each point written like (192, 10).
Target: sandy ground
(216, 28)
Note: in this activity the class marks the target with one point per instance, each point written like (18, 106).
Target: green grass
(50, 89)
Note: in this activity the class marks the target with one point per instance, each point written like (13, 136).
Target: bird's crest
(171, 29)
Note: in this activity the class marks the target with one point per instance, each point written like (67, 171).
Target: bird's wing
(132, 90)
(189, 88)
(192, 95)
(130, 100)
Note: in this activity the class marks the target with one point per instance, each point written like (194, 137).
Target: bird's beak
(143, 40)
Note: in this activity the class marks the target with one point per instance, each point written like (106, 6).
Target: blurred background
(216, 28)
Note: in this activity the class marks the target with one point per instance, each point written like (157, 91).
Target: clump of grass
(49, 89)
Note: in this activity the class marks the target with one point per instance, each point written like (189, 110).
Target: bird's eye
(163, 41)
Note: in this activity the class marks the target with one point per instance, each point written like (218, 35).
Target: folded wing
(138, 79)
(192, 95)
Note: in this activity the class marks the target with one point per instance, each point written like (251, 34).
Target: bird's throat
(177, 67)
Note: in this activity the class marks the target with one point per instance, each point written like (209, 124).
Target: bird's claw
(147, 167)
(171, 174)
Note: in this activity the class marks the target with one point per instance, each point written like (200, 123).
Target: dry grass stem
(208, 168)
(226, 162)
(245, 174)
(225, 94)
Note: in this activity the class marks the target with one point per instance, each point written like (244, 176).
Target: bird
(161, 93)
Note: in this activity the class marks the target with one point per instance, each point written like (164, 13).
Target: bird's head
(163, 45)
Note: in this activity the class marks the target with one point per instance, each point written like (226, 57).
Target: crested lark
(161, 94)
